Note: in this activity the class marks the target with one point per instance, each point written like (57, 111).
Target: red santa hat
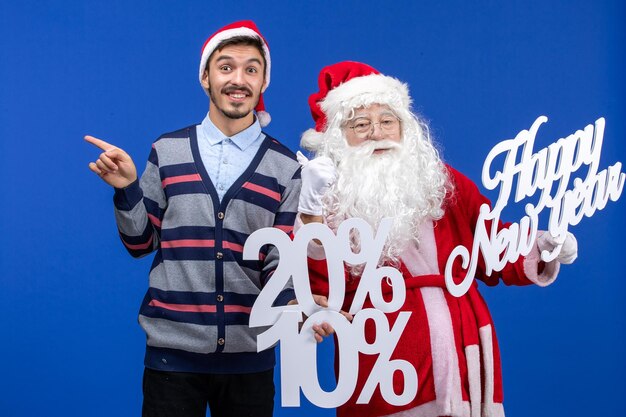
(242, 28)
(348, 85)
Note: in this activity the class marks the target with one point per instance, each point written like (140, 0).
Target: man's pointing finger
(99, 143)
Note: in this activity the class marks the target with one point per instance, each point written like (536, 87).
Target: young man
(205, 189)
(374, 160)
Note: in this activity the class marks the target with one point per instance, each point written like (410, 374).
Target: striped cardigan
(196, 311)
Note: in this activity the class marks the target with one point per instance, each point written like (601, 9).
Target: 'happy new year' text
(548, 170)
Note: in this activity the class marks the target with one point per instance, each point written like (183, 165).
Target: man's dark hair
(242, 40)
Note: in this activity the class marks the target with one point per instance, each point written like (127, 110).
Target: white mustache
(369, 147)
(386, 144)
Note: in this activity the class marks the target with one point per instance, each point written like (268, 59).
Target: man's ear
(205, 80)
(264, 87)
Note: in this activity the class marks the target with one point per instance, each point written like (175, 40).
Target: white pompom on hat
(242, 28)
(348, 85)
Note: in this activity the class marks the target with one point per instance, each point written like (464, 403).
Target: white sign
(298, 347)
(548, 170)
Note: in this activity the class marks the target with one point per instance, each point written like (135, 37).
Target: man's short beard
(399, 183)
(234, 114)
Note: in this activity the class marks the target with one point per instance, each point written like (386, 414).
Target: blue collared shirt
(226, 158)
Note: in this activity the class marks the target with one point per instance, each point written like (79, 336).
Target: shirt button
(219, 255)
(221, 187)
(220, 298)
(220, 215)
(220, 341)
(225, 161)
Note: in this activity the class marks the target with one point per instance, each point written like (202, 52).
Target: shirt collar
(242, 139)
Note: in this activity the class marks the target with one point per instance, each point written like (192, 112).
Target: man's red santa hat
(348, 85)
(242, 28)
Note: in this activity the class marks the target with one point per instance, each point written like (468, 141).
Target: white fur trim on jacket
(531, 268)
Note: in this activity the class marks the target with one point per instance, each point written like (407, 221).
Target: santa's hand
(322, 330)
(568, 251)
(317, 176)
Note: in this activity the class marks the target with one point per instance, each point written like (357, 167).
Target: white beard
(402, 183)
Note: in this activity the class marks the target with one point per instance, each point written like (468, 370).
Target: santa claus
(374, 158)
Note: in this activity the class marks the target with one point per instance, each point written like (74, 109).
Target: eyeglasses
(363, 127)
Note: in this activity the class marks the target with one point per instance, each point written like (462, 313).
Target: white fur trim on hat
(231, 33)
(264, 118)
(364, 91)
(312, 140)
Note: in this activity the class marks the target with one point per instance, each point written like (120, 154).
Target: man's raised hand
(114, 166)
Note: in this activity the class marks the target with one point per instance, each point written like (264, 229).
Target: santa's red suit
(450, 341)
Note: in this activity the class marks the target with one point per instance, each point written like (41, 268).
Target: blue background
(127, 71)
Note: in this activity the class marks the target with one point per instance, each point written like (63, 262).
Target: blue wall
(127, 72)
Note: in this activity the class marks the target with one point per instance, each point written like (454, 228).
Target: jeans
(183, 394)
